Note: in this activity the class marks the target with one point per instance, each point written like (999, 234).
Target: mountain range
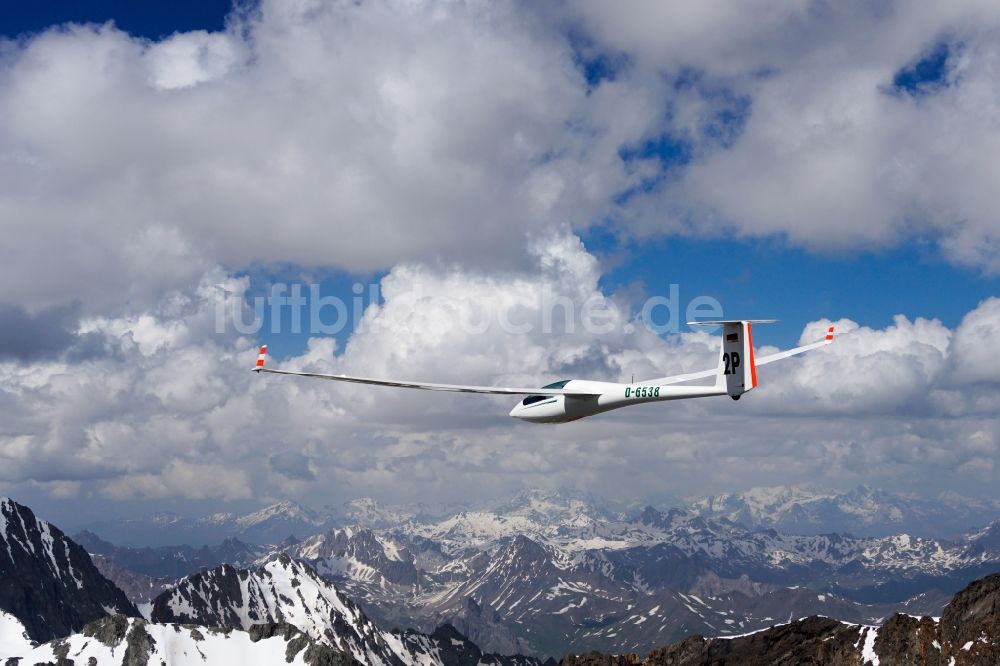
(267, 525)
(863, 511)
(56, 606)
(592, 582)
(543, 573)
(804, 510)
(284, 610)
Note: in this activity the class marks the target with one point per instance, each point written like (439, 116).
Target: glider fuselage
(607, 396)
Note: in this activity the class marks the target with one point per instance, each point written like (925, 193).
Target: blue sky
(750, 278)
(147, 19)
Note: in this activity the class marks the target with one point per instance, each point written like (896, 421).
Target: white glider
(572, 399)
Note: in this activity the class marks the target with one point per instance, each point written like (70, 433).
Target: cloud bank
(172, 411)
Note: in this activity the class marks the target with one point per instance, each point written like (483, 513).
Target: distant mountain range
(862, 511)
(553, 592)
(543, 573)
(548, 575)
(268, 525)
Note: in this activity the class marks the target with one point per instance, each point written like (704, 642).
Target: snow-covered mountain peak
(285, 590)
(282, 590)
(369, 512)
(284, 510)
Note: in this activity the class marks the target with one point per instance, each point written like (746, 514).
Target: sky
(446, 172)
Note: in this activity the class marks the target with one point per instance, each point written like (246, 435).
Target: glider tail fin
(737, 368)
(261, 357)
(737, 358)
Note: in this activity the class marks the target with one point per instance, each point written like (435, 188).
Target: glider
(572, 399)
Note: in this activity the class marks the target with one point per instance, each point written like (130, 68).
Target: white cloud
(975, 347)
(356, 135)
(364, 135)
(181, 417)
(187, 59)
(829, 157)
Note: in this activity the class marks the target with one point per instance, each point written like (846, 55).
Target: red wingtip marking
(829, 334)
(261, 356)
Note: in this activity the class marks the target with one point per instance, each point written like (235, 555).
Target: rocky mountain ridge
(967, 634)
(284, 590)
(129, 641)
(47, 580)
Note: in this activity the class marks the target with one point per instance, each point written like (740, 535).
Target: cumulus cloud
(448, 130)
(453, 131)
(975, 345)
(822, 149)
(173, 412)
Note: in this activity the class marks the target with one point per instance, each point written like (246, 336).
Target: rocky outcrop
(970, 625)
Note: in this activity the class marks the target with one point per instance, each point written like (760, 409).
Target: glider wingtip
(829, 335)
(261, 357)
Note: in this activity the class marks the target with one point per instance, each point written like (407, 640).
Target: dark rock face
(815, 640)
(483, 626)
(907, 640)
(973, 619)
(213, 598)
(47, 581)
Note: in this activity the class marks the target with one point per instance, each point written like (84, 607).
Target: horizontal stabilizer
(722, 322)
